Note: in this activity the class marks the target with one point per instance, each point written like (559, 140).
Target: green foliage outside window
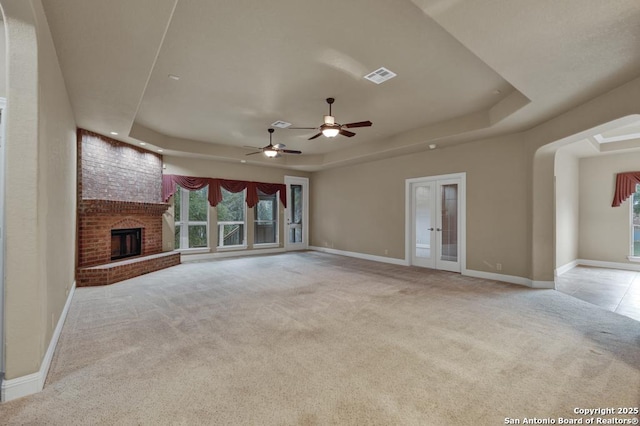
(190, 231)
(231, 208)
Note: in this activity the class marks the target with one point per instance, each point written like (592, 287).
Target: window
(266, 219)
(191, 212)
(231, 219)
(635, 223)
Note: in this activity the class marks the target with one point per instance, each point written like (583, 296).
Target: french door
(435, 234)
(297, 213)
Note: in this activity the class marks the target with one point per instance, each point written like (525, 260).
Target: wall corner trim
(364, 256)
(34, 383)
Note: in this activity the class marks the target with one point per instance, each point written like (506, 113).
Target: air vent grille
(280, 124)
(380, 75)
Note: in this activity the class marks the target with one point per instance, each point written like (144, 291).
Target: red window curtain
(625, 186)
(169, 183)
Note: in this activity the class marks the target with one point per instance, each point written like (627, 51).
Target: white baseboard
(567, 267)
(512, 279)
(185, 258)
(33, 383)
(610, 265)
(364, 256)
(478, 274)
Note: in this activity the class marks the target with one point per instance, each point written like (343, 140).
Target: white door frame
(3, 108)
(296, 180)
(462, 215)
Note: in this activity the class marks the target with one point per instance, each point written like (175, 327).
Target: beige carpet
(312, 338)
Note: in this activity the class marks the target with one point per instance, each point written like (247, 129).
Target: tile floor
(612, 289)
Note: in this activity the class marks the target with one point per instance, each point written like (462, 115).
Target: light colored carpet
(311, 338)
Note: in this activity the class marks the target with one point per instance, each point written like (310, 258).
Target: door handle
(439, 229)
(430, 229)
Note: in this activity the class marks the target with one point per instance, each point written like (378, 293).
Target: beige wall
(361, 208)
(40, 189)
(510, 193)
(3, 65)
(567, 209)
(604, 230)
(223, 170)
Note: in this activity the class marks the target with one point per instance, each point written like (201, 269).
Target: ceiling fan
(273, 151)
(332, 129)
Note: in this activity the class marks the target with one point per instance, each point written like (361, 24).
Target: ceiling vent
(380, 75)
(280, 124)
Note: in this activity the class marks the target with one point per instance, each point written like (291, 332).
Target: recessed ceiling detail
(380, 75)
(460, 79)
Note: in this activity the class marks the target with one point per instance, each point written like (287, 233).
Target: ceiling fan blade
(257, 152)
(358, 124)
(315, 136)
(291, 151)
(251, 147)
(302, 128)
(347, 133)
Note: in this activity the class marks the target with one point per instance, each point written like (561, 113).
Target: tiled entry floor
(612, 289)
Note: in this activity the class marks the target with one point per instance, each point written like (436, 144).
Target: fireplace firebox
(126, 243)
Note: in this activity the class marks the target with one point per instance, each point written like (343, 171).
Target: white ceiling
(466, 68)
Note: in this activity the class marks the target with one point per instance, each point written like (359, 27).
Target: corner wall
(567, 207)
(40, 198)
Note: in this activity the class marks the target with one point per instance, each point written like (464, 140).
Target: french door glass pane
(295, 227)
(423, 224)
(449, 204)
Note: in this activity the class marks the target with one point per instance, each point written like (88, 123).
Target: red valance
(625, 186)
(169, 183)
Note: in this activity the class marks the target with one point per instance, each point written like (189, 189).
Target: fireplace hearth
(126, 243)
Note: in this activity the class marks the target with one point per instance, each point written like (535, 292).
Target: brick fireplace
(119, 189)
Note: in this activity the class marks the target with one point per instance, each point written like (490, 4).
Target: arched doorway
(583, 168)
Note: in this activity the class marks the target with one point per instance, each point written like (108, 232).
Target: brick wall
(114, 170)
(119, 187)
(97, 218)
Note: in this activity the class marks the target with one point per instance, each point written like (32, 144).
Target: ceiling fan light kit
(271, 153)
(331, 132)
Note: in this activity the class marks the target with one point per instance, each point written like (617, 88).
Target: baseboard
(512, 279)
(364, 256)
(33, 383)
(610, 265)
(470, 272)
(185, 258)
(567, 267)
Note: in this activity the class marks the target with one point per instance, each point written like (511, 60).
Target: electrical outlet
(386, 251)
(498, 266)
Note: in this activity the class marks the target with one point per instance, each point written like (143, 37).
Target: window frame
(276, 220)
(184, 224)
